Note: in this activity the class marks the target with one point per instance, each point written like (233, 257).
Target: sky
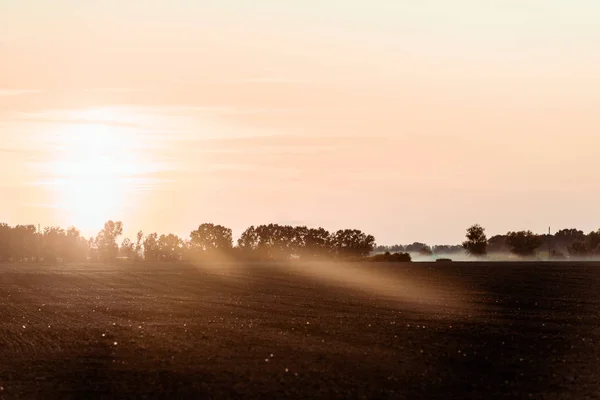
(410, 120)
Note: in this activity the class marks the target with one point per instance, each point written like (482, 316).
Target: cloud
(113, 90)
(18, 92)
(32, 118)
(275, 79)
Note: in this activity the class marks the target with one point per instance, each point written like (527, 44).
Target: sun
(93, 170)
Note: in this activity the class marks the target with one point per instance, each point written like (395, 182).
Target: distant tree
(170, 247)
(76, 247)
(556, 255)
(151, 248)
(476, 243)
(93, 249)
(127, 249)
(138, 251)
(592, 241)
(211, 239)
(389, 257)
(23, 242)
(106, 241)
(497, 244)
(523, 243)
(248, 241)
(311, 243)
(578, 249)
(381, 249)
(5, 232)
(426, 251)
(415, 247)
(397, 248)
(352, 243)
(276, 241)
(53, 244)
(448, 249)
(564, 238)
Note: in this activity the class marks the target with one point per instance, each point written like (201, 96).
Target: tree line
(566, 242)
(422, 249)
(23, 243)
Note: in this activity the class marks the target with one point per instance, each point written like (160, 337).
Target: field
(420, 330)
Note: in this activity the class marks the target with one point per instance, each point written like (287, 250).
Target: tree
(151, 248)
(23, 242)
(476, 243)
(5, 232)
(248, 241)
(106, 241)
(53, 244)
(426, 251)
(211, 239)
(276, 241)
(170, 247)
(269, 242)
(350, 243)
(523, 243)
(311, 243)
(578, 249)
(76, 247)
(415, 247)
(138, 250)
(592, 241)
(389, 257)
(127, 249)
(497, 244)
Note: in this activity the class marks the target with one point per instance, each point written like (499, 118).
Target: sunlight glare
(93, 171)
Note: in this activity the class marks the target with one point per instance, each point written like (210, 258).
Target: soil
(249, 331)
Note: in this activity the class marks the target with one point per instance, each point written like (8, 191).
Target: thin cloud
(75, 121)
(275, 79)
(18, 92)
(113, 90)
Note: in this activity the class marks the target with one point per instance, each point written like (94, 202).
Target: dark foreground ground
(518, 330)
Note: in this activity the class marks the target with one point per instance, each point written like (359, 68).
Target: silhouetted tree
(415, 247)
(170, 247)
(352, 243)
(76, 247)
(523, 243)
(23, 243)
(151, 248)
(127, 249)
(389, 257)
(53, 244)
(211, 239)
(276, 241)
(592, 241)
(578, 249)
(448, 249)
(497, 244)
(248, 241)
(476, 243)
(311, 243)
(5, 232)
(564, 238)
(138, 251)
(426, 251)
(106, 241)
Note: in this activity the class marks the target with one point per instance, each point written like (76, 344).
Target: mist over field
(382, 199)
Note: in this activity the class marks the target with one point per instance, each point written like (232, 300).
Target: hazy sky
(408, 119)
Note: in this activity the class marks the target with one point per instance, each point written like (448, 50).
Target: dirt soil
(377, 331)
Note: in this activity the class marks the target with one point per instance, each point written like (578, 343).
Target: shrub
(389, 257)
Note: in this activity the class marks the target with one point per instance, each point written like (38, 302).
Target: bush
(443, 260)
(389, 257)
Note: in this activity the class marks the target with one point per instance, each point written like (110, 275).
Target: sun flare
(92, 170)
